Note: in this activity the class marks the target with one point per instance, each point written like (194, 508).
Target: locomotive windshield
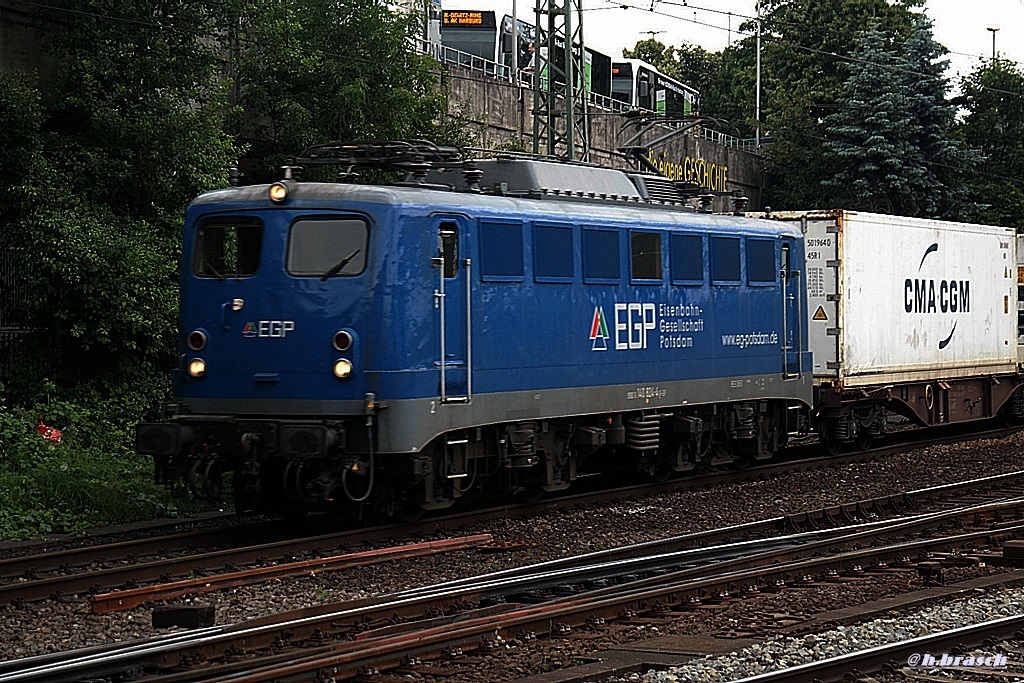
(327, 247)
(228, 249)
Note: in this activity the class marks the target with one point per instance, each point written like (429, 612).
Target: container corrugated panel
(894, 299)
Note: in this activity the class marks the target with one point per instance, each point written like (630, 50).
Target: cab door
(792, 321)
(452, 301)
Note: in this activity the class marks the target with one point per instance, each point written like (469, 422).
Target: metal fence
(14, 305)
(726, 139)
(448, 56)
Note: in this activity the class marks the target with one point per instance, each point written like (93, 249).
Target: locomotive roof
(527, 175)
(307, 195)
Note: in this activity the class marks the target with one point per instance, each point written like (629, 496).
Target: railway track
(135, 563)
(617, 585)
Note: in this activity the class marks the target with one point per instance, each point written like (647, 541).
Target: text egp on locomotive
(495, 323)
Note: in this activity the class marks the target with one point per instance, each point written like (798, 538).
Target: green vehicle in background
(639, 84)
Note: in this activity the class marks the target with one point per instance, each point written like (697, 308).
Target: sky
(960, 25)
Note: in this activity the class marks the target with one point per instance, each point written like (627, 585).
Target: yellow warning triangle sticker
(820, 314)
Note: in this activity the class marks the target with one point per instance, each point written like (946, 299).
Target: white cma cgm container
(894, 299)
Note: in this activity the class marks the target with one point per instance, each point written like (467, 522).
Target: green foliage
(140, 117)
(890, 141)
(994, 124)
(803, 83)
(88, 479)
(877, 166)
(318, 70)
(131, 132)
(99, 172)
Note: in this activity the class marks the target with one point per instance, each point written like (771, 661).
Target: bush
(91, 478)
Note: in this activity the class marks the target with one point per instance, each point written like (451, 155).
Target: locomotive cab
(276, 305)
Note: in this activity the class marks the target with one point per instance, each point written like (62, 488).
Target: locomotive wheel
(828, 438)
(742, 461)
(662, 473)
(410, 512)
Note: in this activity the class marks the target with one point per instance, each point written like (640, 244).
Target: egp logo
(633, 323)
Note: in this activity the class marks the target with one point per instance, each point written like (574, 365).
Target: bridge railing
(449, 56)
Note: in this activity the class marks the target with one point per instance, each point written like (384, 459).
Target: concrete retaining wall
(500, 114)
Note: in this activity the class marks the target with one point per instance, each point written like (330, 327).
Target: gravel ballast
(60, 625)
(789, 652)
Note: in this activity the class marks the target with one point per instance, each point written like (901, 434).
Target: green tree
(994, 124)
(949, 160)
(131, 130)
(871, 139)
(890, 143)
(806, 46)
(313, 71)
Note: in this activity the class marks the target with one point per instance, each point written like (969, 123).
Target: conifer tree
(869, 139)
(805, 46)
(948, 159)
(890, 143)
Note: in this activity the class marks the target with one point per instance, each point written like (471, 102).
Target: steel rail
(135, 571)
(746, 530)
(347, 660)
(252, 635)
(17, 566)
(163, 569)
(127, 599)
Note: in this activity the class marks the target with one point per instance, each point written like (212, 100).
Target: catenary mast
(560, 115)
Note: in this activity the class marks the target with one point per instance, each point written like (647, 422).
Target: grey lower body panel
(408, 425)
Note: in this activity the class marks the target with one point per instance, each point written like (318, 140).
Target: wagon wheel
(865, 440)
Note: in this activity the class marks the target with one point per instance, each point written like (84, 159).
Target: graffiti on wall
(700, 172)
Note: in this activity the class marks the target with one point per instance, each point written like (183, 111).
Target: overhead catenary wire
(617, 4)
(767, 37)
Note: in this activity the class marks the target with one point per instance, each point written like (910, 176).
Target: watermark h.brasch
(928, 660)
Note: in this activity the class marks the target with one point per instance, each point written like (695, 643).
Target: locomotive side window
(327, 247)
(448, 249)
(601, 255)
(761, 262)
(228, 248)
(686, 258)
(645, 248)
(725, 259)
(501, 251)
(552, 253)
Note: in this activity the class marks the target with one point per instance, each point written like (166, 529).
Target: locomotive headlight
(197, 340)
(197, 367)
(343, 340)
(342, 368)
(278, 192)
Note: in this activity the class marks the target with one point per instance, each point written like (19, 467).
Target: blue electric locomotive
(489, 323)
